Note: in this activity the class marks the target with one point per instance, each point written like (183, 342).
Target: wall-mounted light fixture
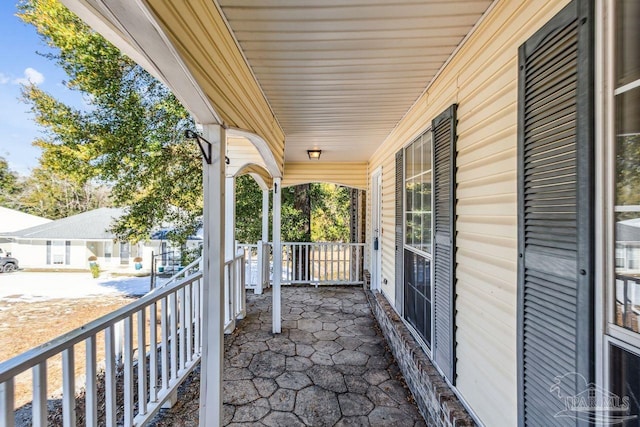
(314, 154)
(205, 146)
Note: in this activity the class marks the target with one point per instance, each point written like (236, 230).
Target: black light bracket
(205, 146)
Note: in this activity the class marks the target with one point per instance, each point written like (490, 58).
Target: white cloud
(4, 79)
(30, 76)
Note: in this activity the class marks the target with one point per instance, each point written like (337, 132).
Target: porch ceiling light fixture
(314, 154)
(205, 146)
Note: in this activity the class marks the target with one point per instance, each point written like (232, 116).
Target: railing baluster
(110, 377)
(331, 252)
(91, 388)
(173, 325)
(6, 403)
(198, 315)
(142, 362)
(128, 371)
(39, 408)
(181, 331)
(68, 388)
(189, 321)
(164, 344)
(325, 262)
(153, 352)
(339, 264)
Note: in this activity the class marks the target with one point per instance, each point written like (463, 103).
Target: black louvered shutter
(555, 216)
(399, 232)
(444, 183)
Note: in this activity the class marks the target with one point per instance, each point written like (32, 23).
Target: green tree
(330, 218)
(53, 196)
(130, 138)
(10, 185)
(131, 135)
(248, 210)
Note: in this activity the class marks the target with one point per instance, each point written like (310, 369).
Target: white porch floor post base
(211, 413)
(277, 257)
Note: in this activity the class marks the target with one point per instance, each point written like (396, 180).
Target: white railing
(234, 291)
(234, 285)
(257, 260)
(314, 263)
(322, 263)
(194, 267)
(161, 345)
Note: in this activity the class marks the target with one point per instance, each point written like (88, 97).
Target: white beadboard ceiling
(340, 74)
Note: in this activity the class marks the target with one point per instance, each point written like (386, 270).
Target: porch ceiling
(340, 75)
(323, 74)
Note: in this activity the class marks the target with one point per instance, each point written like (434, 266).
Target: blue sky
(19, 61)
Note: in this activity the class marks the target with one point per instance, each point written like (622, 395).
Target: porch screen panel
(555, 225)
(444, 170)
(399, 298)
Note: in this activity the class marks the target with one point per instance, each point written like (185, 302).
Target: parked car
(8, 264)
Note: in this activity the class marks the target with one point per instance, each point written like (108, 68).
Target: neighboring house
(68, 243)
(497, 141)
(12, 220)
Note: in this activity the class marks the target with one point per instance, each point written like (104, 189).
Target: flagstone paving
(329, 367)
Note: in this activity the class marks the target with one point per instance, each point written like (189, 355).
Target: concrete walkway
(329, 367)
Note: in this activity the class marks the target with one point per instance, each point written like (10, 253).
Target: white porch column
(277, 257)
(265, 216)
(230, 218)
(263, 257)
(213, 279)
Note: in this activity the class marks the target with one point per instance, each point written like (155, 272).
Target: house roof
(92, 225)
(12, 220)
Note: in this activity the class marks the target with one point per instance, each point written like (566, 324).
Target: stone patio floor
(330, 366)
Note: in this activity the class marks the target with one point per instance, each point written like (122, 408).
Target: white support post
(265, 216)
(211, 413)
(230, 218)
(277, 257)
(263, 256)
(260, 279)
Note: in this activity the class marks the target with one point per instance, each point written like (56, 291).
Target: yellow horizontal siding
(199, 33)
(482, 79)
(350, 174)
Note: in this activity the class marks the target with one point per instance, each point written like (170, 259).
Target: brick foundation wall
(439, 406)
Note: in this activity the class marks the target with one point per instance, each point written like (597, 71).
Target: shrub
(95, 270)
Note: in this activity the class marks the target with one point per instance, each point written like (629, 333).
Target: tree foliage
(10, 186)
(330, 218)
(53, 196)
(130, 136)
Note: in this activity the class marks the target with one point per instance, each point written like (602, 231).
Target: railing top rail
(324, 243)
(306, 243)
(36, 355)
(182, 273)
